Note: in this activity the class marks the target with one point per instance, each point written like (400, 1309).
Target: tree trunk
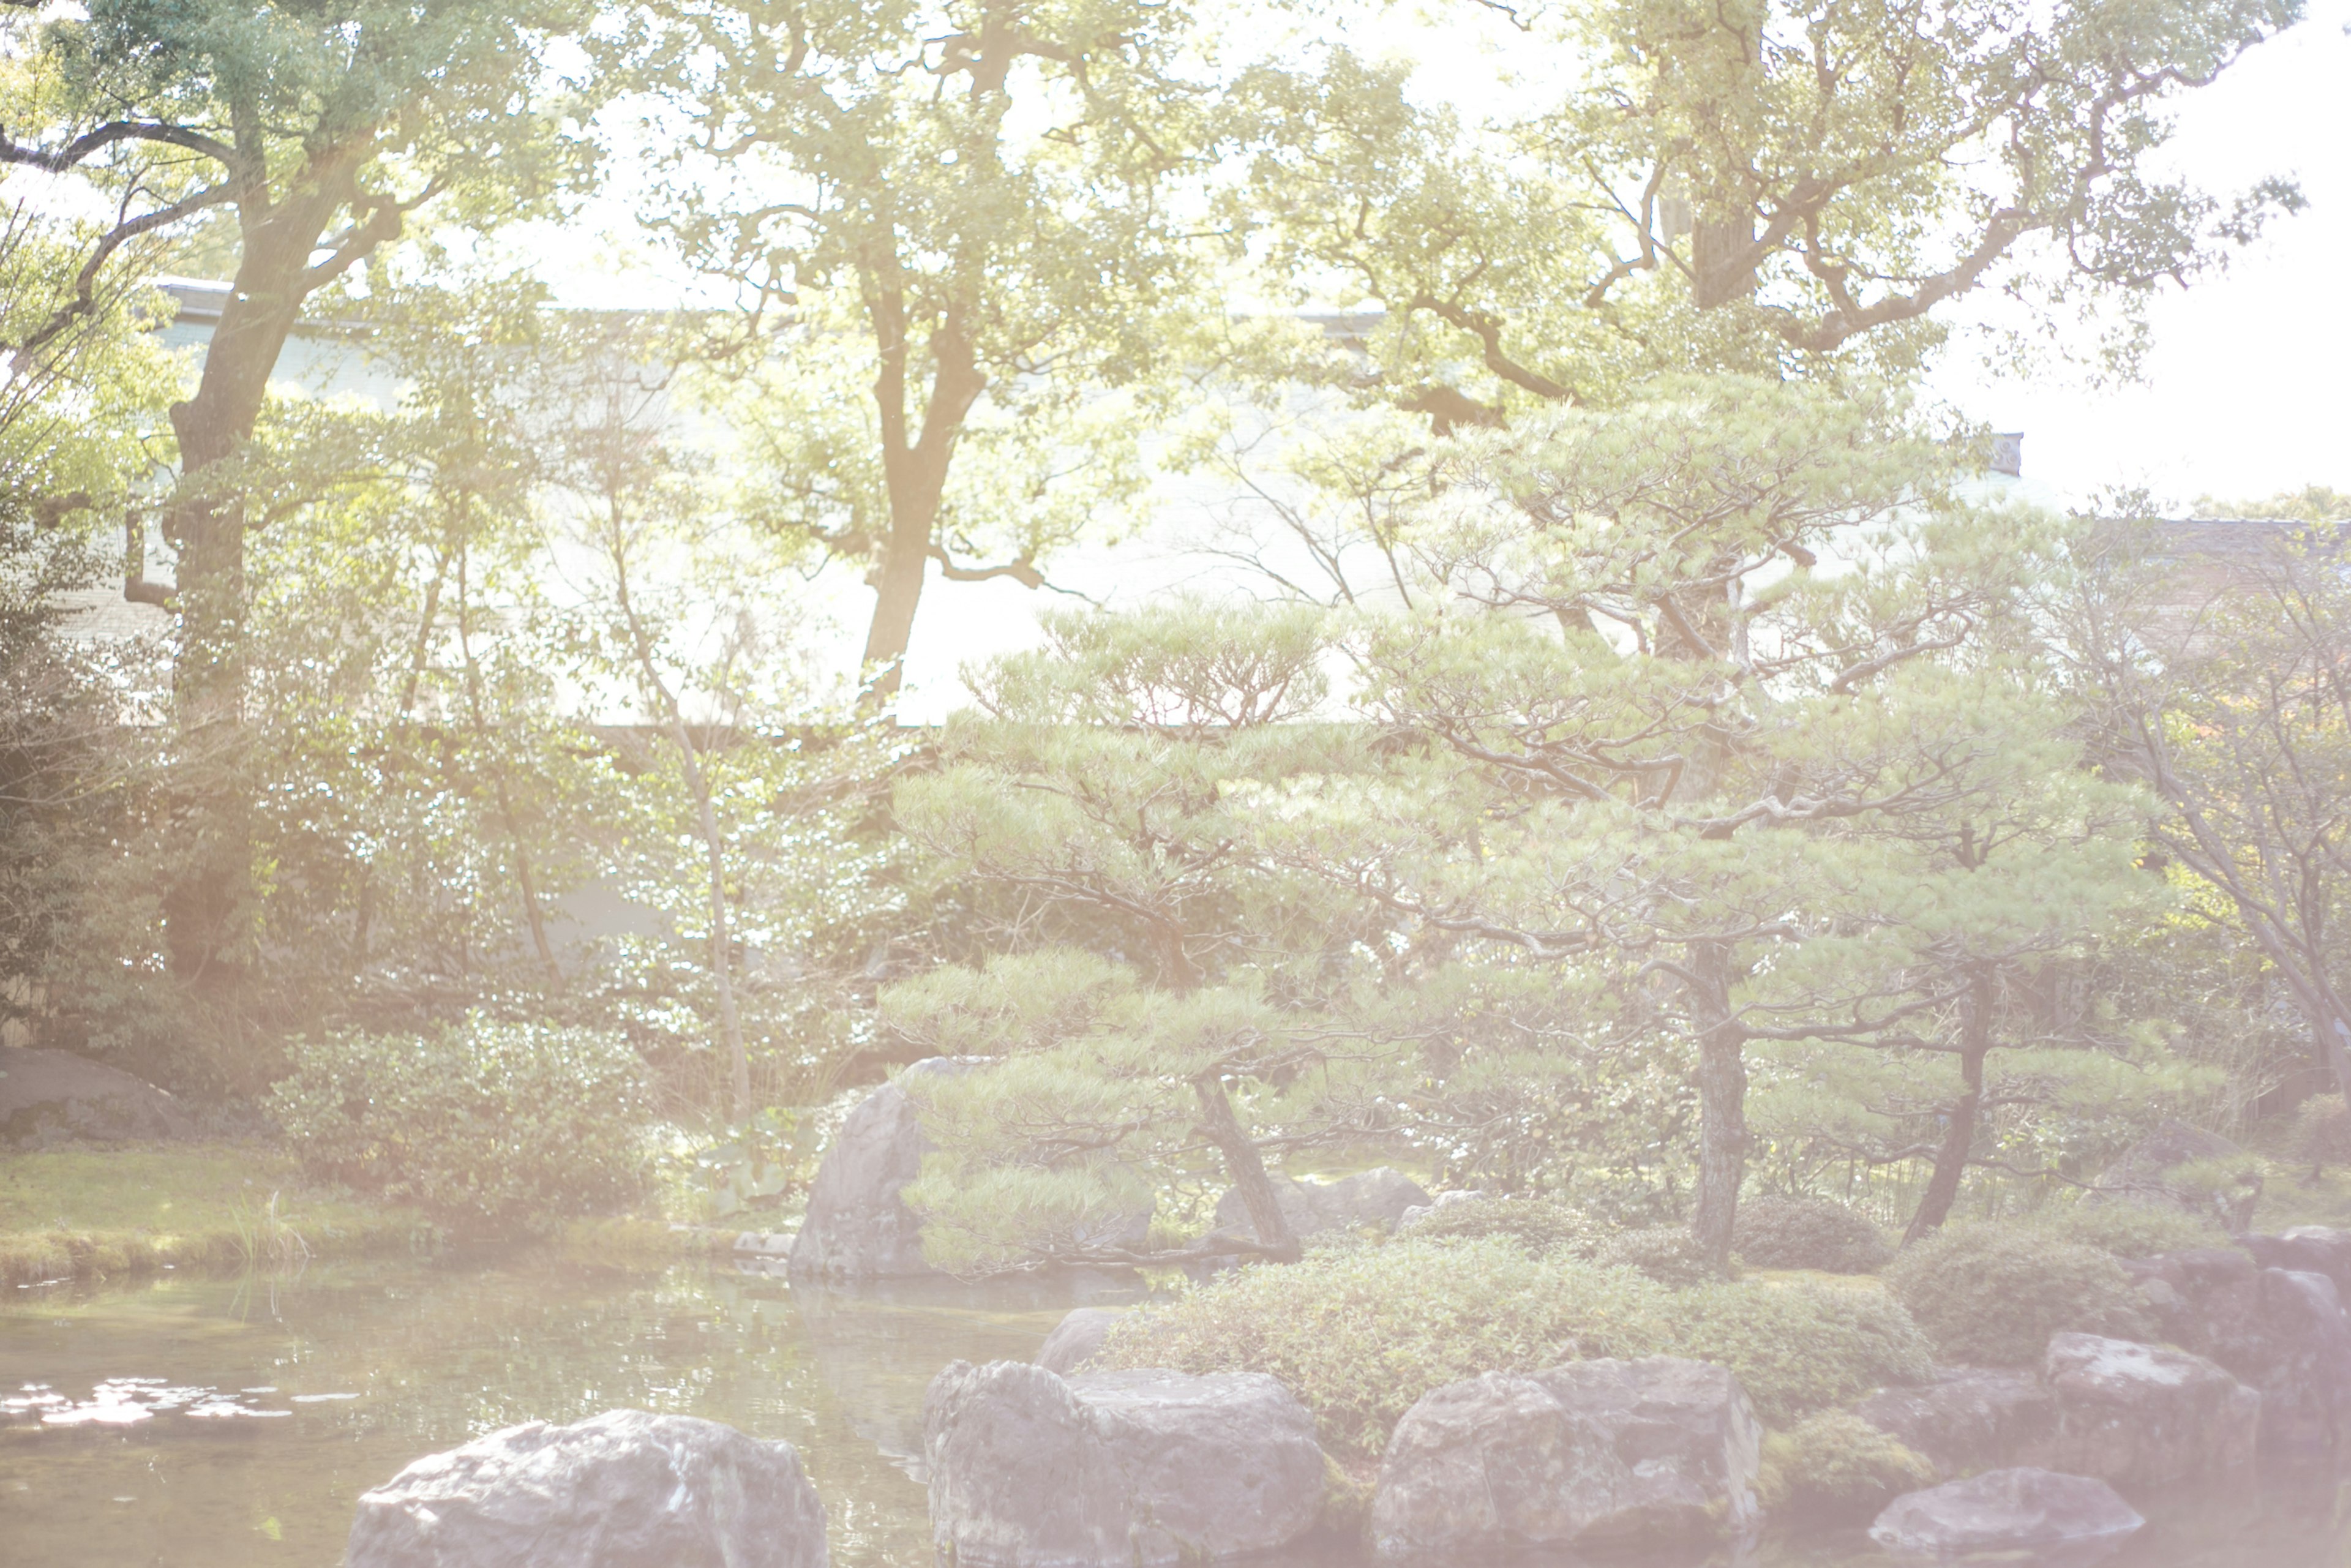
(211, 893)
(1959, 1137)
(1722, 1107)
(1246, 1168)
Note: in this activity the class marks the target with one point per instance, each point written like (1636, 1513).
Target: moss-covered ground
(92, 1213)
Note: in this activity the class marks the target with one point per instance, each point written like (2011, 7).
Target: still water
(194, 1422)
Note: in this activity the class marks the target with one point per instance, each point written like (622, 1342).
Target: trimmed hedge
(1808, 1233)
(1991, 1294)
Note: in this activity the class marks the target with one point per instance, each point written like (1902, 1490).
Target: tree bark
(1723, 1106)
(1246, 1167)
(1959, 1137)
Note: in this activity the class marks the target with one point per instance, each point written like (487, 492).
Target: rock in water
(54, 1097)
(2137, 1415)
(1380, 1196)
(623, 1490)
(1969, 1418)
(857, 1228)
(1109, 1469)
(1594, 1454)
(1076, 1340)
(2006, 1510)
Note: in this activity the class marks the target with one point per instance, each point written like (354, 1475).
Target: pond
(191, 1422)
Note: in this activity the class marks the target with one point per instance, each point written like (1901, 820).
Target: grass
(94, 1213)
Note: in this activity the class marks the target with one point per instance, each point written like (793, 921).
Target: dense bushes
(487, 1125)
(1808, 1233)
(1990, 1295)
(1361, 1333)
(1666, 1253)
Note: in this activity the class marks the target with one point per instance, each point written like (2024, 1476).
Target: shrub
(1799, 1347)
(1664, 1252)
(1539, 1225)
(1836, 1468)
(1808, 1233)
(487, 1125)
(2130, 1228)
(2322, 1133)
(1359, 1335)
(1990, 1294)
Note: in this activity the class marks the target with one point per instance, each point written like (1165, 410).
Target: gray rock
(1969, 1418)
(2281, 1329)
(50, 1097)
(1592, 1455)
(2140, 1417)
(1216, 1467)
(2307, 1250)
(1108, 1469)
(2017, 1510)
(1378, 1196)
(857, 1228)
(2144, 1175)
(1076, 1339)
(1020, 1478)
(623, 1490)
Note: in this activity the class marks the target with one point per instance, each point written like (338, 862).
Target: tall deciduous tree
(1748, 185)
(962, 211)
(317, 131)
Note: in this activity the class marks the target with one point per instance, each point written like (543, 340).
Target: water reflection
(195, 1422)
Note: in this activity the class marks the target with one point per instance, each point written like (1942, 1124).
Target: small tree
(961, 211)
(1172, 998)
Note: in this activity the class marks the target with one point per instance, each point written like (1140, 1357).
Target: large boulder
(1378, 1196)
(1592, 1455)
(623, 1490)
(2149, 1172)
(1076, 1340)
(1969, 1418)
(2280, 1328)
(2307, 1250)
(2010, 1511)
(50, 1097)
(1107, 1469)
(2142, 1417)
(857, 1228)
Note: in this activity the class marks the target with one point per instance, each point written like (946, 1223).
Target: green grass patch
(96, 1213)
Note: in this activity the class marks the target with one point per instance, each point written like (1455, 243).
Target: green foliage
(487, 1125)
(2322, 1132)
(1836, 1468)
(1542, 1226)
(1990, 1294)
(1666, 1253)
(2128, 1228)
(1798, 1347)
(1776, 1232)
(1361, 1333)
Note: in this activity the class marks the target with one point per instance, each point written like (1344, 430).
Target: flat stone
(2015, 1510)
(50, 1097)
(1115, 1469)
(1969, 1418)
(2144, 1417)
(623, 1490)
